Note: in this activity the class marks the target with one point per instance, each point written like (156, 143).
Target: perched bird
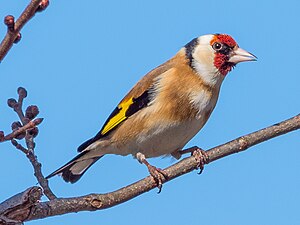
(165, 109)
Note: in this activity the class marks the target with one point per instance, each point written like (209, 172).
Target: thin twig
(39, 175)
(28, 126)
(22, 129)
(11, 35)
(37, 169)
(19, 146)
(102, 201)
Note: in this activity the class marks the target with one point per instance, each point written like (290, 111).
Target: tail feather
(74, 169)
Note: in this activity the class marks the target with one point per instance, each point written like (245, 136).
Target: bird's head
(214, 55)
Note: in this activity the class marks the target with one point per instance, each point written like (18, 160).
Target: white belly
(164, 140)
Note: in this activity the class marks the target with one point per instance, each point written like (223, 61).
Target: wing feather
(134, 101)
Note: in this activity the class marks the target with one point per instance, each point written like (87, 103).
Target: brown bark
(93, 202)
(12, 33)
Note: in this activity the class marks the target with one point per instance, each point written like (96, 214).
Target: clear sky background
(77, 59)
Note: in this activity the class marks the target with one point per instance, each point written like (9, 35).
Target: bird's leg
(200, 155)
(157, 173)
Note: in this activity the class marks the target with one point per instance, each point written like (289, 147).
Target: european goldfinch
(165, 109)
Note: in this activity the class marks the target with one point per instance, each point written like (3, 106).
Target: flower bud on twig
(31, 112)
(10, 22)
(22, 92)
(11, 102)
(43, 5)
(18, 38)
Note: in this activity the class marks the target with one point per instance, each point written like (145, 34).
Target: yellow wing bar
(119, 117)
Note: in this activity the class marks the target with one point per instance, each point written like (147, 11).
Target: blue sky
(78, 59)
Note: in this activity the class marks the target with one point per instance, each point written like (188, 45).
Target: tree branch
(26, 206)
(17, 208)
(21, 130)
(13, 32)
(93, 202)
(27, 129)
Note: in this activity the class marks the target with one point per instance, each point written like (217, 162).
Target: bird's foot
(200, 155)
(156, 173)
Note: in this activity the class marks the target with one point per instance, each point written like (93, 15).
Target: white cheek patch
(209, 74)
(203, 62)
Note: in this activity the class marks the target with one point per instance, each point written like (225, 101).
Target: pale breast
(165, 138)
(165, 135)
(181, 105)
(201, 101)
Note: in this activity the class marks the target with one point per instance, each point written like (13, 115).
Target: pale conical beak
(240, 55)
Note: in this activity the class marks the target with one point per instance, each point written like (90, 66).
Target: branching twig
(21, 130)
(26, 206)
(93, 202)
(13, 32)
(101, 201)
(27, 129)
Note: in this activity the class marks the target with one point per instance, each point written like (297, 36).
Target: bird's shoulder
(136, 99)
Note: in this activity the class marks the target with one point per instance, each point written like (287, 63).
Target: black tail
(74, 169)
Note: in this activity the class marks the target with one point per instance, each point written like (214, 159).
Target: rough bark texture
(93, 202)
(26, 205)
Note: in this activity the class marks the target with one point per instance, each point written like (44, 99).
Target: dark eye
(217, 46)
